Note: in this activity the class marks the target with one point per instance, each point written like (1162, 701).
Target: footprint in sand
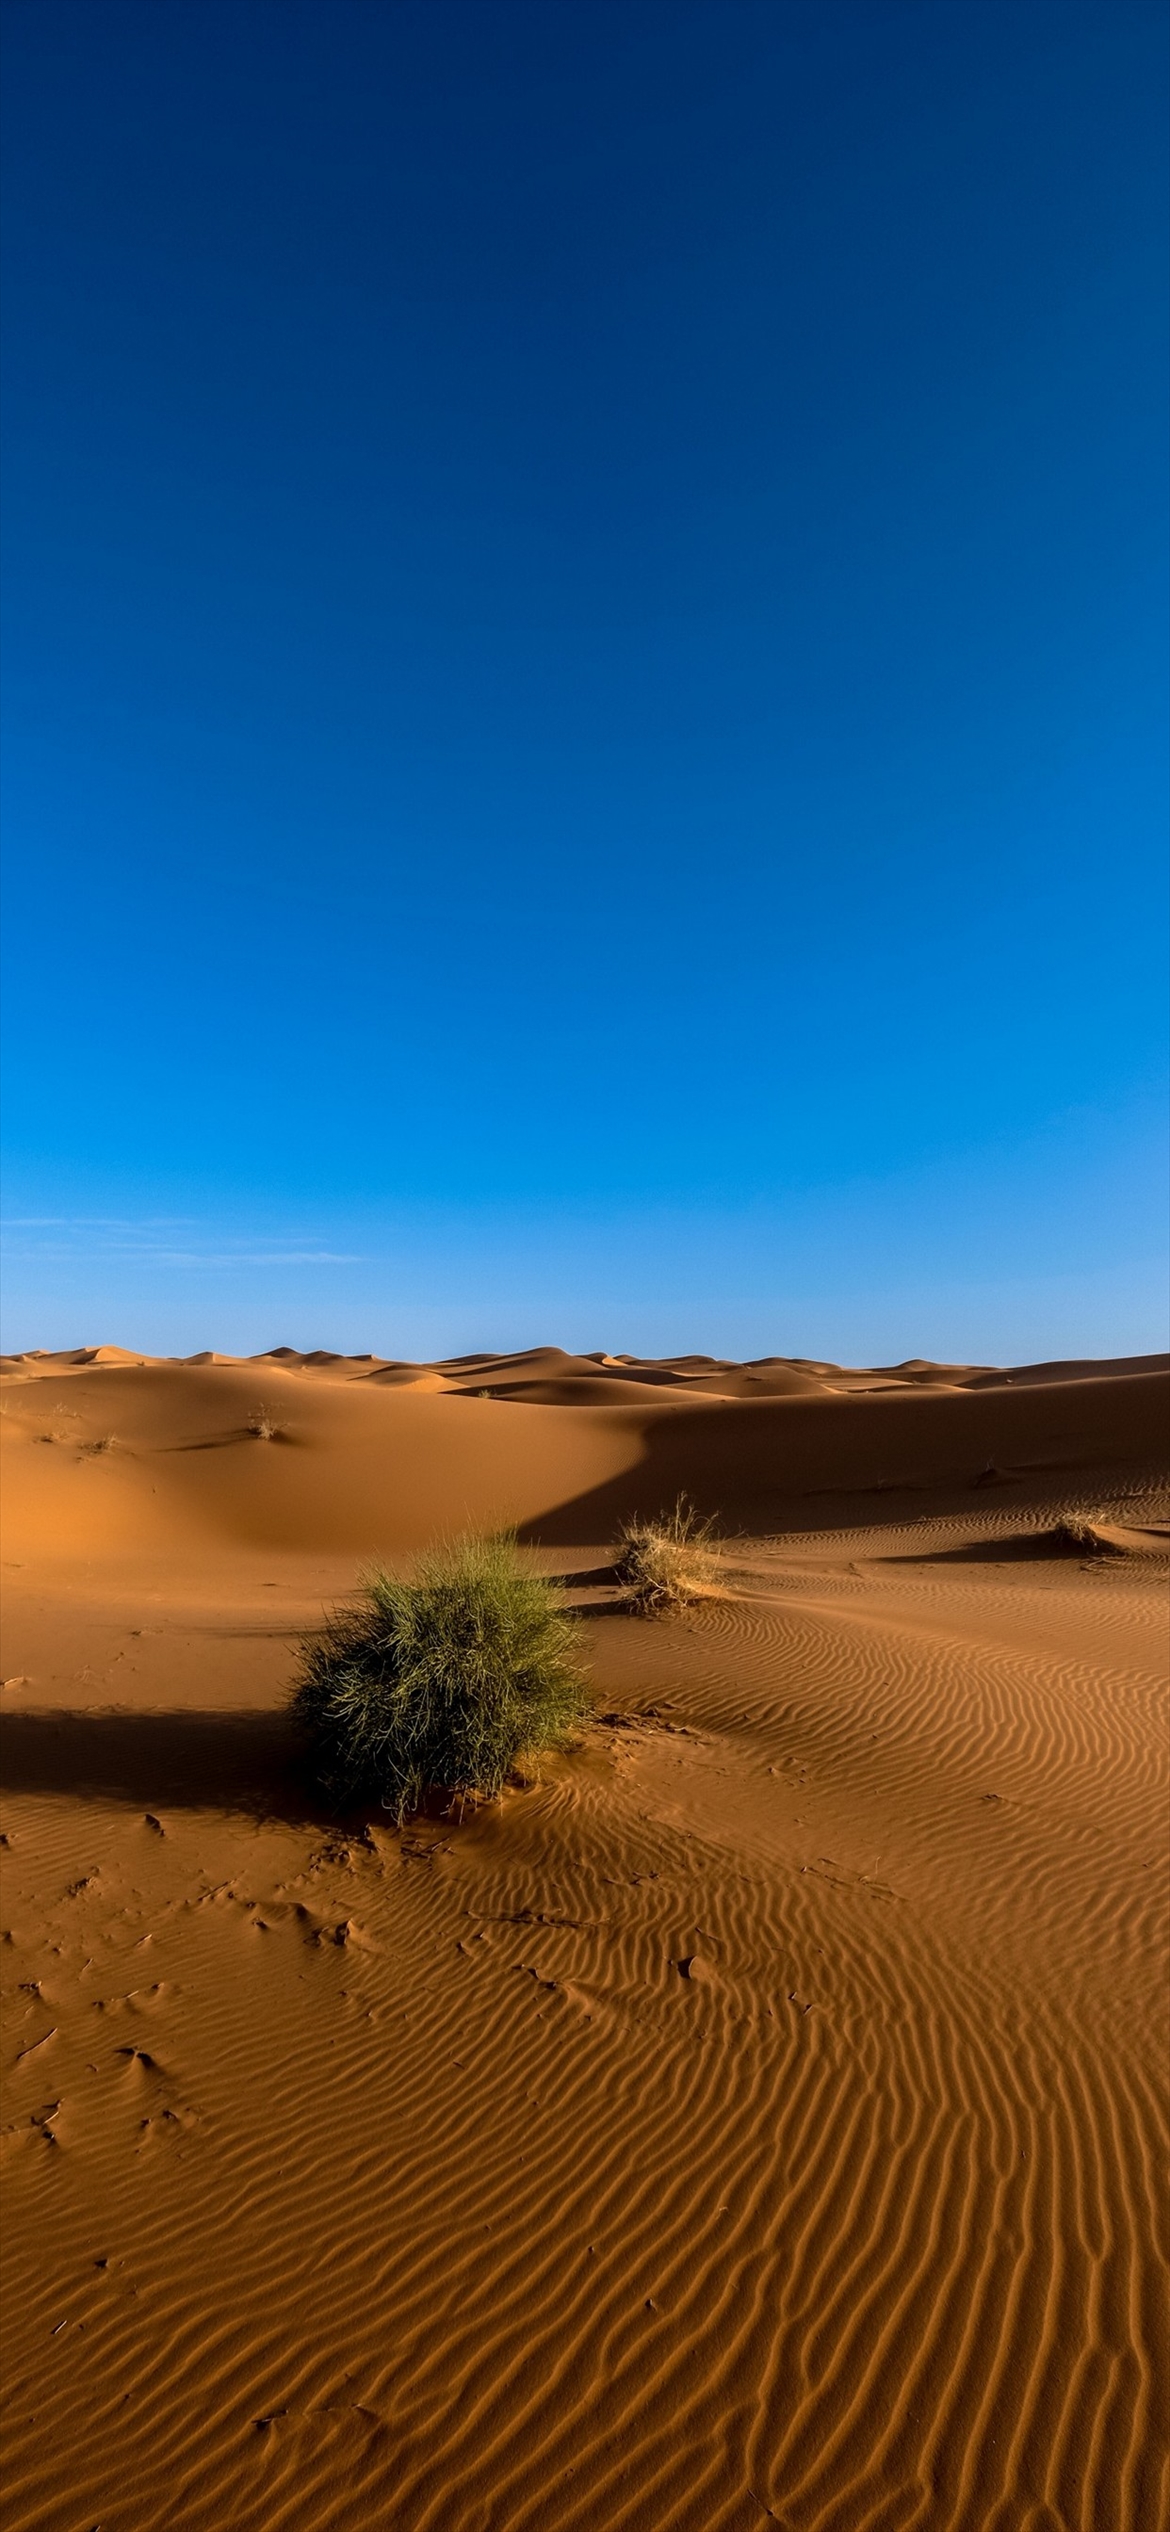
(139, 2063)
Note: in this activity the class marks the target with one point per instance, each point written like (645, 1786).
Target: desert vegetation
(664, 1564)
(445, 1681)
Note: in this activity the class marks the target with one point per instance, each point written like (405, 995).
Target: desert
(583, 1837)
(756, 2115)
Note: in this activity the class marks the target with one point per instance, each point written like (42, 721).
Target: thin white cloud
(113, 1237)
(242, 1257)
(99, 1222)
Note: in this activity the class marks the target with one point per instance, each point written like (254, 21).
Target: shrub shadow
(195, 1760)
(1055, 1546)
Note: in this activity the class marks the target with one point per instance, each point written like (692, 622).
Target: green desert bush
(665, 1563)
(444, 1681)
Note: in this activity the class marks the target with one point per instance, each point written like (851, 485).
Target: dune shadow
(1020, 1547)
(724, 1487)
(1061, 1544)
(197, 1760)
(764, 1467)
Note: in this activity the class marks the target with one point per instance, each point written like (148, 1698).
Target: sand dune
(324, 1451)
(761, 2119)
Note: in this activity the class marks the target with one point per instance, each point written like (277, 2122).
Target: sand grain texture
(761, 2119)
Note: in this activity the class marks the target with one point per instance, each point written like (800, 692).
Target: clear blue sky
(585, 674)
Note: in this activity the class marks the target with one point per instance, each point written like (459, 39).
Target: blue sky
(585, 644)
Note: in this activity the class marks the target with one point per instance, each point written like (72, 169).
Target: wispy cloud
(259, 1257)
(98, 1222)
(31, 1236)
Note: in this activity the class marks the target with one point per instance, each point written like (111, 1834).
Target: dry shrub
(666, 1563)
(1086, 1537)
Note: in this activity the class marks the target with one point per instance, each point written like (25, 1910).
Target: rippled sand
(761, 2118)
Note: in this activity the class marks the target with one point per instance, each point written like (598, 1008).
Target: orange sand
(759, 2120)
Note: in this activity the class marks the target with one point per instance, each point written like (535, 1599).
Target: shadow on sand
(1015, 1547)
(251, 1762)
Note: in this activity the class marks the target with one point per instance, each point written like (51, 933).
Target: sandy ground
(760, 2119)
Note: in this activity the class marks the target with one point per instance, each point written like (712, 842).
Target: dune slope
(762, 2118)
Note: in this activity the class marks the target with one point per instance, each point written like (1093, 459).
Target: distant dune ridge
(759, 2118)
(382, 1454)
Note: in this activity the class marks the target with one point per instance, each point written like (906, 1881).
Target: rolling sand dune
(759, 2119)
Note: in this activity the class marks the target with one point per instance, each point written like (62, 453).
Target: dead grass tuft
(664, 1564)
(1086, 1536)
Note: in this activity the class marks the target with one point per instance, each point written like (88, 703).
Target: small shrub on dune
(666, 1563)
(1088, 1536)
(444, 1681)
